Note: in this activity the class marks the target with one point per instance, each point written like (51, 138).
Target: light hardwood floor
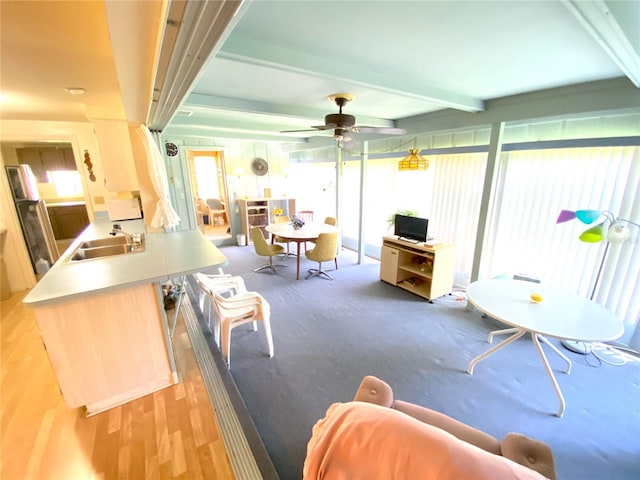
(215, 232)
(168, 434)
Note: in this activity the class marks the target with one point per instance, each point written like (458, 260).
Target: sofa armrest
(529, 452)
(373, 390)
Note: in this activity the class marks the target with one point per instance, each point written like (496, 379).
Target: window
(66, 182)
(206, 177)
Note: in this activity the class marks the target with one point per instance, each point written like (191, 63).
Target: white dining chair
(239, 308)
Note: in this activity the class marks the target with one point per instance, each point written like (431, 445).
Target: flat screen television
(412, 228)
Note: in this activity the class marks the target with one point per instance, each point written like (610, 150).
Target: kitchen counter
(103, 321)
(166, 255)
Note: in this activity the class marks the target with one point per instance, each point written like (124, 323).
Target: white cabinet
(116, 155)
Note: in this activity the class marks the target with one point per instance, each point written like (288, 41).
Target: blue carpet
(329, 334)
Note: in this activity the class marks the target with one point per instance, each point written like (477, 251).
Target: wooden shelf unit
(257, 212)
(424, 270)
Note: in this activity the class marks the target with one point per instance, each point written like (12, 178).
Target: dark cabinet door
(68, 221)
(32, 157)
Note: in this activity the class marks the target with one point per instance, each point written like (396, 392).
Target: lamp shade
(566, 216)
(618, 233)
(594, 234)
(413, 161)
(588, 216)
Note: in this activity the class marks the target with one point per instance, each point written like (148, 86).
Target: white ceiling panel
(271, 66)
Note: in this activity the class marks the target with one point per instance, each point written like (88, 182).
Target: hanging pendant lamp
(413, 161)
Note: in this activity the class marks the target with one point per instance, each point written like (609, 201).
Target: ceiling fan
(344, 124)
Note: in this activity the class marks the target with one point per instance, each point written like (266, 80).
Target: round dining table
(308, 232)
(554, 313)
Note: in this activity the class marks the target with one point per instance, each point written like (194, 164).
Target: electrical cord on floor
(603, 353)
(455, 296)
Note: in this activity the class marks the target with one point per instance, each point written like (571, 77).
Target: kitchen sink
(107, 247)
(105, 242)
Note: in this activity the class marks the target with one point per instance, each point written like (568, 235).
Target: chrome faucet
(133, 238)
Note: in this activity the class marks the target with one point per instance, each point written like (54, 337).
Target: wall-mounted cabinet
(257, 212)
(67, 221)
(43, 159)
(116, 155)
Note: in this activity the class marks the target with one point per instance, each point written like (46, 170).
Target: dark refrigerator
(34, 220)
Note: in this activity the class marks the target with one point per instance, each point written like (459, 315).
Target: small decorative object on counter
(297, 222)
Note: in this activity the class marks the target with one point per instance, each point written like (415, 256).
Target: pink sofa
(377, 437)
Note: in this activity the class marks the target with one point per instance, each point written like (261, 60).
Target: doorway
(209, 186)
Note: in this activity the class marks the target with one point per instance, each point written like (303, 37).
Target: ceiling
(231, 69)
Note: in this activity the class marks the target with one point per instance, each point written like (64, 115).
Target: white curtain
(533, 186)
(164, 216)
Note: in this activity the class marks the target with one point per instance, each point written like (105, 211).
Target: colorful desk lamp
(611, 228)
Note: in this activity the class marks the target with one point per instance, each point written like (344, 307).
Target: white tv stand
(426, 270)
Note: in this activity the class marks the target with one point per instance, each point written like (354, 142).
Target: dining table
(307, 233)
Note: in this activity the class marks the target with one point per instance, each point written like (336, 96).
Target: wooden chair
(305, 215)
(217, 208)
(263, 249)
(324, 251)
(238, 309)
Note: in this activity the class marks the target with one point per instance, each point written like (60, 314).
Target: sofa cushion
(359, 440)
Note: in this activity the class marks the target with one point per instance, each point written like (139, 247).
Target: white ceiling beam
(134, 28)
(235, 124)
(313, 116)
(247, 50)
(201, 31)
(616, 29)
(213, 131)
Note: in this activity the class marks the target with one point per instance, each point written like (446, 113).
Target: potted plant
(392, 218)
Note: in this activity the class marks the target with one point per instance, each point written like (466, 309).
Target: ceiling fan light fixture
(413, 161)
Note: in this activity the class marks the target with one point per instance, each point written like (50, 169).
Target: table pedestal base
(537, 338)
(583, 348)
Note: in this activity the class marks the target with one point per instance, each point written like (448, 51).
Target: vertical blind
(532, 187)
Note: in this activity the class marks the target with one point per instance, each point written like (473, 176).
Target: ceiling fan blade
(387, 130)
(312, 129)
(295, 131)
